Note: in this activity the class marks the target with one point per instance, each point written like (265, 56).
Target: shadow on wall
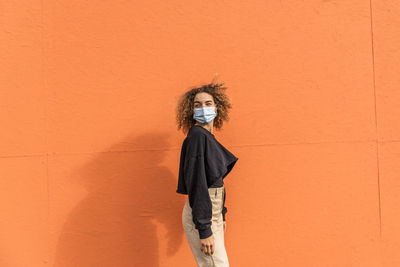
(128, 191)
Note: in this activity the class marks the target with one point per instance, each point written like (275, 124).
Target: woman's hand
(207, 245)
(224, 226)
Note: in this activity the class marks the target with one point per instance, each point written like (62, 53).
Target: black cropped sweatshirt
(204, 163)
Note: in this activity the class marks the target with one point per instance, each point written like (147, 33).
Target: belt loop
(216, 191)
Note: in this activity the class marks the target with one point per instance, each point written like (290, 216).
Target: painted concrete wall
(89, 148)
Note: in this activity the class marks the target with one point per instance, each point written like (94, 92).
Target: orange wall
(90, 150)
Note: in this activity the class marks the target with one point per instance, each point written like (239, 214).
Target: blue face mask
(204, 115)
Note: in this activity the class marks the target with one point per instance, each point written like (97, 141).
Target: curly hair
(184, 108)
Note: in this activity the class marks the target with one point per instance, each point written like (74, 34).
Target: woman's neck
(208, 127)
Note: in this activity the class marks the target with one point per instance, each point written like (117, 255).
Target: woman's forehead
(203, 97)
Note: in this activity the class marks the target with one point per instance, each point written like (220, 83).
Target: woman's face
(203, 100)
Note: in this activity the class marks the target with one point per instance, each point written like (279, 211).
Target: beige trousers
(219, 258)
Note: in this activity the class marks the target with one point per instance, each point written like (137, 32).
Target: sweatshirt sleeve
(196, 182)
(224, 209)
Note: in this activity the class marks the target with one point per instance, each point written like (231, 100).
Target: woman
(204, 163)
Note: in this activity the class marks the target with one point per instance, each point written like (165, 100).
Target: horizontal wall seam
(174, 149)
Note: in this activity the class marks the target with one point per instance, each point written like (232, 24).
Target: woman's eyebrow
(200, 102)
